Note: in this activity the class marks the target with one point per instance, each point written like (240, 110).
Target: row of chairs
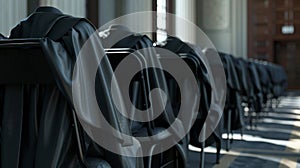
(35, 76)
(252, 87)
(37, 64)
(185, 52)
(250, 84)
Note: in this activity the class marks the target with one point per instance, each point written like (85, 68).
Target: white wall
(136, 6)
(11, 12)
(225, 23)
(109, 10)
(132, 6)
(72, 7)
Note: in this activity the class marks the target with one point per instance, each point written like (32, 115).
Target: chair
(46, 131)
(185, 51)
(153, 78)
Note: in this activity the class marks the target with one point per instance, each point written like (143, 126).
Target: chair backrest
(138, 88)
(22, 62)
(26, 77)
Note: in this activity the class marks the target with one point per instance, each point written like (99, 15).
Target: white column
(239, 28)
(186, 9)
(244, 33)
(12, 11)
(216, 22)
(225, 23)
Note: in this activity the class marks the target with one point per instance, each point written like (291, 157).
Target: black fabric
(257, 89)
(156, 79)
(36, 124)
(248, 96)
(63, 38)
(43, 135)
(278, 79)
(264, 80)
(137, 88)
(97, 163)
(234, 88)
(242, 73)
(230, 71)
(2, 36)
(201, 73)
(177, 46)
(12, 126)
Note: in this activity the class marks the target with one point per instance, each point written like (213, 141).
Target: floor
(274, 143)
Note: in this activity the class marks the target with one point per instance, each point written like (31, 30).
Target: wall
(11, 12)
(74, 7)
(109, 10)
(113, 9)
(225, 23)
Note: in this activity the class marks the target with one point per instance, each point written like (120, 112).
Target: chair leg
(256, 120)
(218, 146)
(202, 139)
(242, 133)
(250, 119)
(202, 155)
(231, 139)
(228, 131)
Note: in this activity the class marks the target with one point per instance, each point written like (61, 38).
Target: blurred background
(260, 29)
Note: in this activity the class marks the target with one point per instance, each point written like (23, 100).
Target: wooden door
(260, 29)
(274, 35)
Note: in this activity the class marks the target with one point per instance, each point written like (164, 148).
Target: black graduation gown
(278, 79)
(120, 36)
(176, 45)
(53, 143)
(233, 99)
(2, 36)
